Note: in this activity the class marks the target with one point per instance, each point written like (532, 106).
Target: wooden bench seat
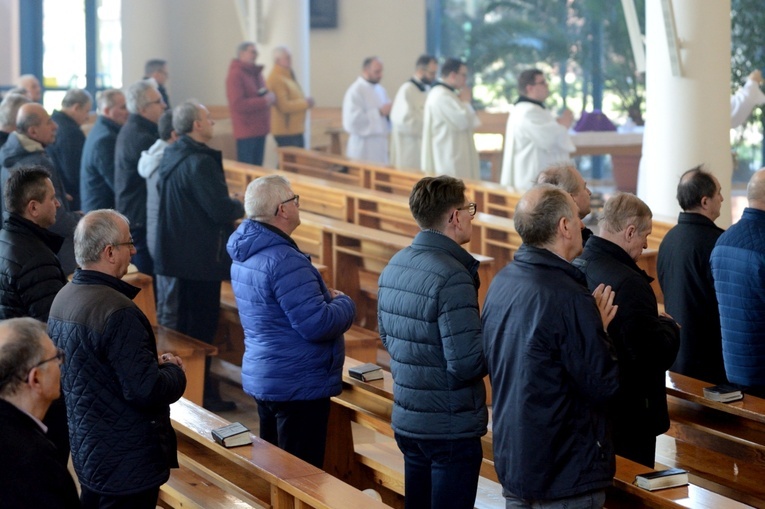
(188, 490)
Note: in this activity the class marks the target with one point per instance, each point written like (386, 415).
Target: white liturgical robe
(447, 135)
(744, 101)
(406, 122)
(368, 129)
(533, 141)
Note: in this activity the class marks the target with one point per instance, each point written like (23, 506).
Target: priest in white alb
(407, 113)
(534, 139)
(366, 108)
(447, 134)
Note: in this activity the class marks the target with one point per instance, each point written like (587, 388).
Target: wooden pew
(370, 404)
(191, 350)
(258, 475)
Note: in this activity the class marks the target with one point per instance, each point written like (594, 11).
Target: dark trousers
(290, 140)
(440, 473)
(143, 500)
(141, 259)
(638, 447)
(250, 150)
(298, 427)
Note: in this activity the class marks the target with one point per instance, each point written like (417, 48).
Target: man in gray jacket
(429, 322)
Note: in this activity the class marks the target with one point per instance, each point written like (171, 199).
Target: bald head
(34, 122)
(755, 190)
(546, 217)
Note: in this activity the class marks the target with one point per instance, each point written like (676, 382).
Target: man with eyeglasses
(118, 391)
(195, 218)
(31, 474)
(430, 324)
(293, 324)
(534, 138)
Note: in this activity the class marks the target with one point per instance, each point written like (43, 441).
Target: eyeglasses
(470, 207)
(158, 101)
(297, 203)
(60, 357)
(129, 243)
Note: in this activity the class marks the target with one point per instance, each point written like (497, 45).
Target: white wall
(9, 41)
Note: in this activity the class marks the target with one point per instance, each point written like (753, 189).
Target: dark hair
(694, 185)
(451, 65)
(538, 213)
(368, 61)
(527, 77)
(165, 125)
(24, 185)
(424, 61)
(432, 197)
(153, 65)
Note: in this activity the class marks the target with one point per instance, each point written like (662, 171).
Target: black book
(366, 372)
(725, 393)
(233, 435)
(661, 479)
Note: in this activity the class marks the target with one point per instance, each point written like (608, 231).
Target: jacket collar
(14, 222)
(422, 87)
(440, 83)
(697, 219)
(544, 257)
(176, 153)
(430, 239)
(524, 99)
(278, 232)
(28, 144)
(143, 123)
(753, 214)
(94, 277)
(279, 70)
(606, 247)
(110, 124)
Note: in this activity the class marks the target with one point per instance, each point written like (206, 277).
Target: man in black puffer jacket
(117, 392)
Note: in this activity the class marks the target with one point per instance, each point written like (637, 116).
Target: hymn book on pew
(233, 435)
(724, 393)
(366, 372)
(661, 479)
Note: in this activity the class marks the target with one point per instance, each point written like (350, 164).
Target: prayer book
(366, 372)
(233, 435)
(724, 393)
(661, 479)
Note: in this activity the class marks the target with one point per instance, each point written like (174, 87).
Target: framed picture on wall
(323, 13)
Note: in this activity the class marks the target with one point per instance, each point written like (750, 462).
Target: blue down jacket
(738, 268)
(429, 322)
(293, 329)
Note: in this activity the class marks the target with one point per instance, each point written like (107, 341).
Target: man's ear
(630, 232)
(705, 202)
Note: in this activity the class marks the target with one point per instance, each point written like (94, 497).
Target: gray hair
(136, 95)
(21, 347)
(96, 230)
(263, 196)
(280, 51)
(560, 175)
(108, 98)
(9, 108)
(76, 97)
(184, 116)
(538, 213)
(622, 210)
(243, 47)
(755, 188)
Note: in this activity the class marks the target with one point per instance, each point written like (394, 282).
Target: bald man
(36, 130)
(738, 265)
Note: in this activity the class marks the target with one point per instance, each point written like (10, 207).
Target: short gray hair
(243, 47)
(560, 175)
(76, 97)
(263, 196)
(538, 213)
(136, 95)
(108, 98)
(280, 51)
(623, 209)
(96, 230)
(184, 116)
(9, 108)
(21, 347)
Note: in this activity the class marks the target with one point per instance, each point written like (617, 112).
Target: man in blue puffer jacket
(293, 324)
(429, 322)
(738, 264)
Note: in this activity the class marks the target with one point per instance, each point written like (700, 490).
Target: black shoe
(219, 405)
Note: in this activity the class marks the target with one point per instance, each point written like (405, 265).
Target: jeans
(440, 474)
(298, 427)
(290, 140)
(592, 500)
(250, 150)
(141, 259)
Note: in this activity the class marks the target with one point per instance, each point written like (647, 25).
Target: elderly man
(31, 475)
(293, 323)
(97, 166)
(534, 139)
(196, 216)
(685, 275)
(117, 390)
(568, 178)
(249, 102)
(289, 111)
(429, 323)
(156, 69)
(35, 130)
(365, 114)
(407, 113)
(646, 341)
(139, 133)
(551, 363)
(9, 108)
(66, 150)
(31, 84)
(738, 262)
(447, 136)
